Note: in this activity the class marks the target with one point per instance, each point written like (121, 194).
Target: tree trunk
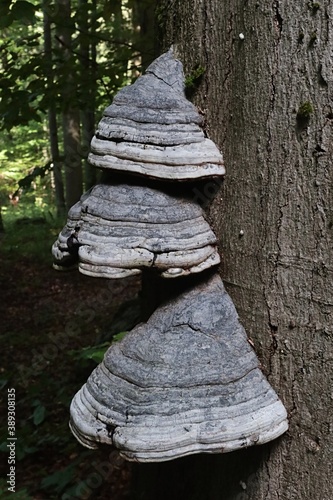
(57, 170)
(70, 114)
(88, 83)
(52, 117)
(72, 150)
(266, 97)
(143, 17)
(2, 228)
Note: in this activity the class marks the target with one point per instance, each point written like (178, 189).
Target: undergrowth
(47, 367)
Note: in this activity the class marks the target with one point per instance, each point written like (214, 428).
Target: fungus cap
(185, 382)
(152, 130)
(119, 229)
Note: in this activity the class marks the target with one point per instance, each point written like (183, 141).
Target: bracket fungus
(151, 129)
(186, 380)
(122, 228)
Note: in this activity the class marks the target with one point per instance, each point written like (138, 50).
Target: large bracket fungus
(186, 380)
(121, 229)
(151, 129)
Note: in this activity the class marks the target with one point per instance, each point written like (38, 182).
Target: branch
(37, 172)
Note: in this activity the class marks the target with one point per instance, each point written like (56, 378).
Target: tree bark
(143, 16)
(2, 228)
(52, 117)
(88, 83)
(266, 95)
(70, 113)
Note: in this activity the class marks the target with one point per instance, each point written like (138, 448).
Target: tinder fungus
(151, 129)
(186, 380)
(121, 229)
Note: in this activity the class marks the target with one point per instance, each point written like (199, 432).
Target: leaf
(3, 446)
(23, 11)
(23, 451)
(33, 40)
(59, 479)
(3, 383)
(39, 414)
(6, 21)
(4, 7)
(119, 336)
(6, 17)
(96, 353)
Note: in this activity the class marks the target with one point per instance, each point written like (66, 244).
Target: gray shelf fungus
(117, 230)
(187, 381)
(151, 129)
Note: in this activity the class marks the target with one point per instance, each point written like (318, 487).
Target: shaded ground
(47, 319)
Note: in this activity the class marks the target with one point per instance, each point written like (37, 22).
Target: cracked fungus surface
(187, 381)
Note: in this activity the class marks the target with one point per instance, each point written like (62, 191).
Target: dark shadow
(198, 477)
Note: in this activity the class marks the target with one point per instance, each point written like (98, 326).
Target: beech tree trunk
(70, 111)
(87, 25)
(266, 94)
(52, 116)
(143, 14)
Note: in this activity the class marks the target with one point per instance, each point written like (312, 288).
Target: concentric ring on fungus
(187, 381)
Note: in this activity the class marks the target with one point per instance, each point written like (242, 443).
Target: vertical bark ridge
(273, 214)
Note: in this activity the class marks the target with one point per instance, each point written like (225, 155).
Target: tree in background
(60, 62)
(267, 98)
(52, 113)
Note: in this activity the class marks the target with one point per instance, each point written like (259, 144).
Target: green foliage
(24, 97)
(28, 442)
(38, 415)
(21, 494)
(194, 77)
(30, 231)
(305, 111)
(35, 173)
(314, 7)
(101, 57)
(54, 464)
(118, 336)
(3, 383)
(193, 80)
(21, 150)
(95, 352)
(20, 63)
(303, 114)
(32, 82)
(58, 481)
(18, 11)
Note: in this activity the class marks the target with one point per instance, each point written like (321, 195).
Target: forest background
(266, 94)
(61, 62)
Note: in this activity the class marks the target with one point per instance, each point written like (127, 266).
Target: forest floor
(50, 325)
